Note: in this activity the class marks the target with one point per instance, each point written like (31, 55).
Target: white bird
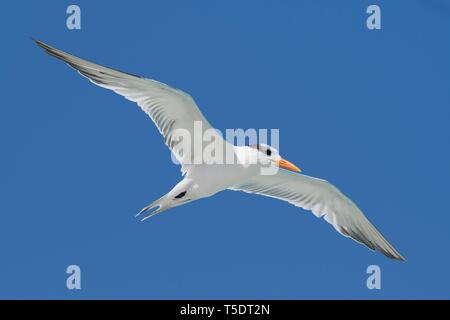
(171, 110)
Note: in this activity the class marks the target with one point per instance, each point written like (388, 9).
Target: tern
(171, 110)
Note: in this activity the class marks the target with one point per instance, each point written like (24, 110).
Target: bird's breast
(210, 179)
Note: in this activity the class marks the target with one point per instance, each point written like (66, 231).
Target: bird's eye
(269, 152)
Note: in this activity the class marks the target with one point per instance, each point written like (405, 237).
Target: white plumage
(172, 110)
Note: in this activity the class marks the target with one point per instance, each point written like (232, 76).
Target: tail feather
(160, 205)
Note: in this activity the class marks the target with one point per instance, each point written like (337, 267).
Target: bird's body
(175, 113)
(205, 180)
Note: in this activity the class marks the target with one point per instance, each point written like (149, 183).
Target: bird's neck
(246, 155)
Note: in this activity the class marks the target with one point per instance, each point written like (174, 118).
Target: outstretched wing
(172, 110)
(324, 200)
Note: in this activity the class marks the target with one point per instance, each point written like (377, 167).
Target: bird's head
(270, 154)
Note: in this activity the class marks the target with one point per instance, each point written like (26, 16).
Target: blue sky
(366, 110)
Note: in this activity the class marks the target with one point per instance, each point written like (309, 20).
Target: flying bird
(171, 110)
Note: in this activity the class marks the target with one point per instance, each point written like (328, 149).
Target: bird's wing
(169, 108)
(324, 200)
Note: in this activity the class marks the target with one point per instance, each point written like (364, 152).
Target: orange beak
(287, 165)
